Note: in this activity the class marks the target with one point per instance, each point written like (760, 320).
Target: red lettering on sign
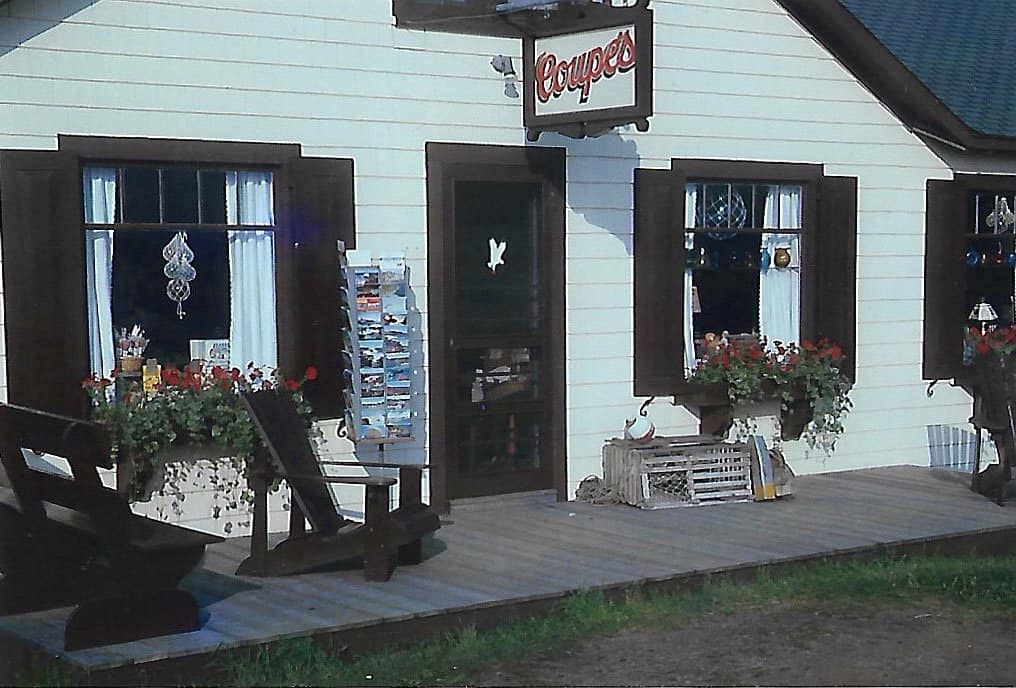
(580, 72)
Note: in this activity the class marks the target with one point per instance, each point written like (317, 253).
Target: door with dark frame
(496, 289)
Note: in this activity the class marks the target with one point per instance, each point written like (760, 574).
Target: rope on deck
(592, 490)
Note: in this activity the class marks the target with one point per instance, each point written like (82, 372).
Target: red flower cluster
(1001, 339)
(217, 376)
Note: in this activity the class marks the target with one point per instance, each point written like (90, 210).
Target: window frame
(199, 226)
(314, 204)
(947, 225)
(659, 369)
(803, 232)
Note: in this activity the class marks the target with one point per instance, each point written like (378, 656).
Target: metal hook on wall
(645, 405)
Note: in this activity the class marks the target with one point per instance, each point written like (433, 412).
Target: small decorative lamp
(983, 316)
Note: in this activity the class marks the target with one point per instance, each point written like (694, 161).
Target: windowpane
(498, 443)
(693, 206)
(726, 279)
(742, 209)
(180, 195)
(139, 291)
(496, 374)
(496, 257)
(991, 253)
(790, 207)
(716, 206)
(254, 198)
(741, 280)
(213, 197)
(100, 187)
(141, 194)
(994, 213)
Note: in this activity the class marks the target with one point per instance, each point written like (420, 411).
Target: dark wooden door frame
(445, 162)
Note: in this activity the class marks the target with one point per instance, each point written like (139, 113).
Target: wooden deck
(507, 555)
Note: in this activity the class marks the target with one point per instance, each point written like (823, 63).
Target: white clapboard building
(579, 189)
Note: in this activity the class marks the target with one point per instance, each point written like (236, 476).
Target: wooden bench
(68, 540)
(384, 538)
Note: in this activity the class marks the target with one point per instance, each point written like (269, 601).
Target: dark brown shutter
(44, 280)
(316, 196)
(835, 279)
(659, 282)
(944, 280)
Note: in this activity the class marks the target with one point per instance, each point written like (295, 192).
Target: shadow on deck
(501, 560)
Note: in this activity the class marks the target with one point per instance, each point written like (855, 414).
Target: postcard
(397, 388)
(396, 343)
(399, 372)
(372, 421)
(372, 385)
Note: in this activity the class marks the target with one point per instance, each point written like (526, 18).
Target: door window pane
(492, 375)
(498, 443)
(496, 258)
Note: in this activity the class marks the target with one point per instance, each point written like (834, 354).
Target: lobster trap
(671, 472)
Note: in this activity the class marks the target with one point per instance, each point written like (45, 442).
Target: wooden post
(259, 528)
(375, 547)
(410, 494)
(297, 521)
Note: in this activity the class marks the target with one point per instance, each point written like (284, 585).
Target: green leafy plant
(806, 379)
(196, 408)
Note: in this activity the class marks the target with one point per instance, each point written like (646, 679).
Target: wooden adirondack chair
(72, 541)
(382, 539)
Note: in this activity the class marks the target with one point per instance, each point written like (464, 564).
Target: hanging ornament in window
(497, 249)
(1002, 218)
(726, 211)
(178, 256)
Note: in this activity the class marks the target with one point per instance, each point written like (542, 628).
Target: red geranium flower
(292, 385)
(311, 373)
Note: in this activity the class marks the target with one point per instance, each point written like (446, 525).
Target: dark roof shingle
(964, 51)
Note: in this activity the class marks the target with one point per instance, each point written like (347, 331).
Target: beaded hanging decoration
(178, 256)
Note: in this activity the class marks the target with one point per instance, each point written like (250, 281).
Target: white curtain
(780, 288)
(252, 271)
(100, 209)
(690, 198)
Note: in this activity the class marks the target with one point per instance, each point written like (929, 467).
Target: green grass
(45, 673)
(975, 583)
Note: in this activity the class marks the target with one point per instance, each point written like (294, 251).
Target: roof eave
(874, 65)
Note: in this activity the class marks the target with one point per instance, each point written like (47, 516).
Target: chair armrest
(376, 464)
(352, 480)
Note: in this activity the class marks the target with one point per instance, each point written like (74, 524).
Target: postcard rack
(377, 348)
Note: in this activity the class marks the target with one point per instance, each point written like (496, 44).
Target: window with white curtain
(227, 217)
(743, 271)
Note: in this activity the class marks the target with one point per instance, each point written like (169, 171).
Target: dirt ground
(790, 644)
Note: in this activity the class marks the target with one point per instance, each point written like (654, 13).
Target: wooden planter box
(672, 472)
(716, 415)
(125, 468)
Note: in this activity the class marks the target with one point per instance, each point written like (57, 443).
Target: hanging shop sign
(597, 76)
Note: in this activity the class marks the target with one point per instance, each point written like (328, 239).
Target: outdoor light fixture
(503, 66)
(984, 316)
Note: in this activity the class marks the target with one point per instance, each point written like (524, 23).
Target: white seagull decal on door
(496, 254)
